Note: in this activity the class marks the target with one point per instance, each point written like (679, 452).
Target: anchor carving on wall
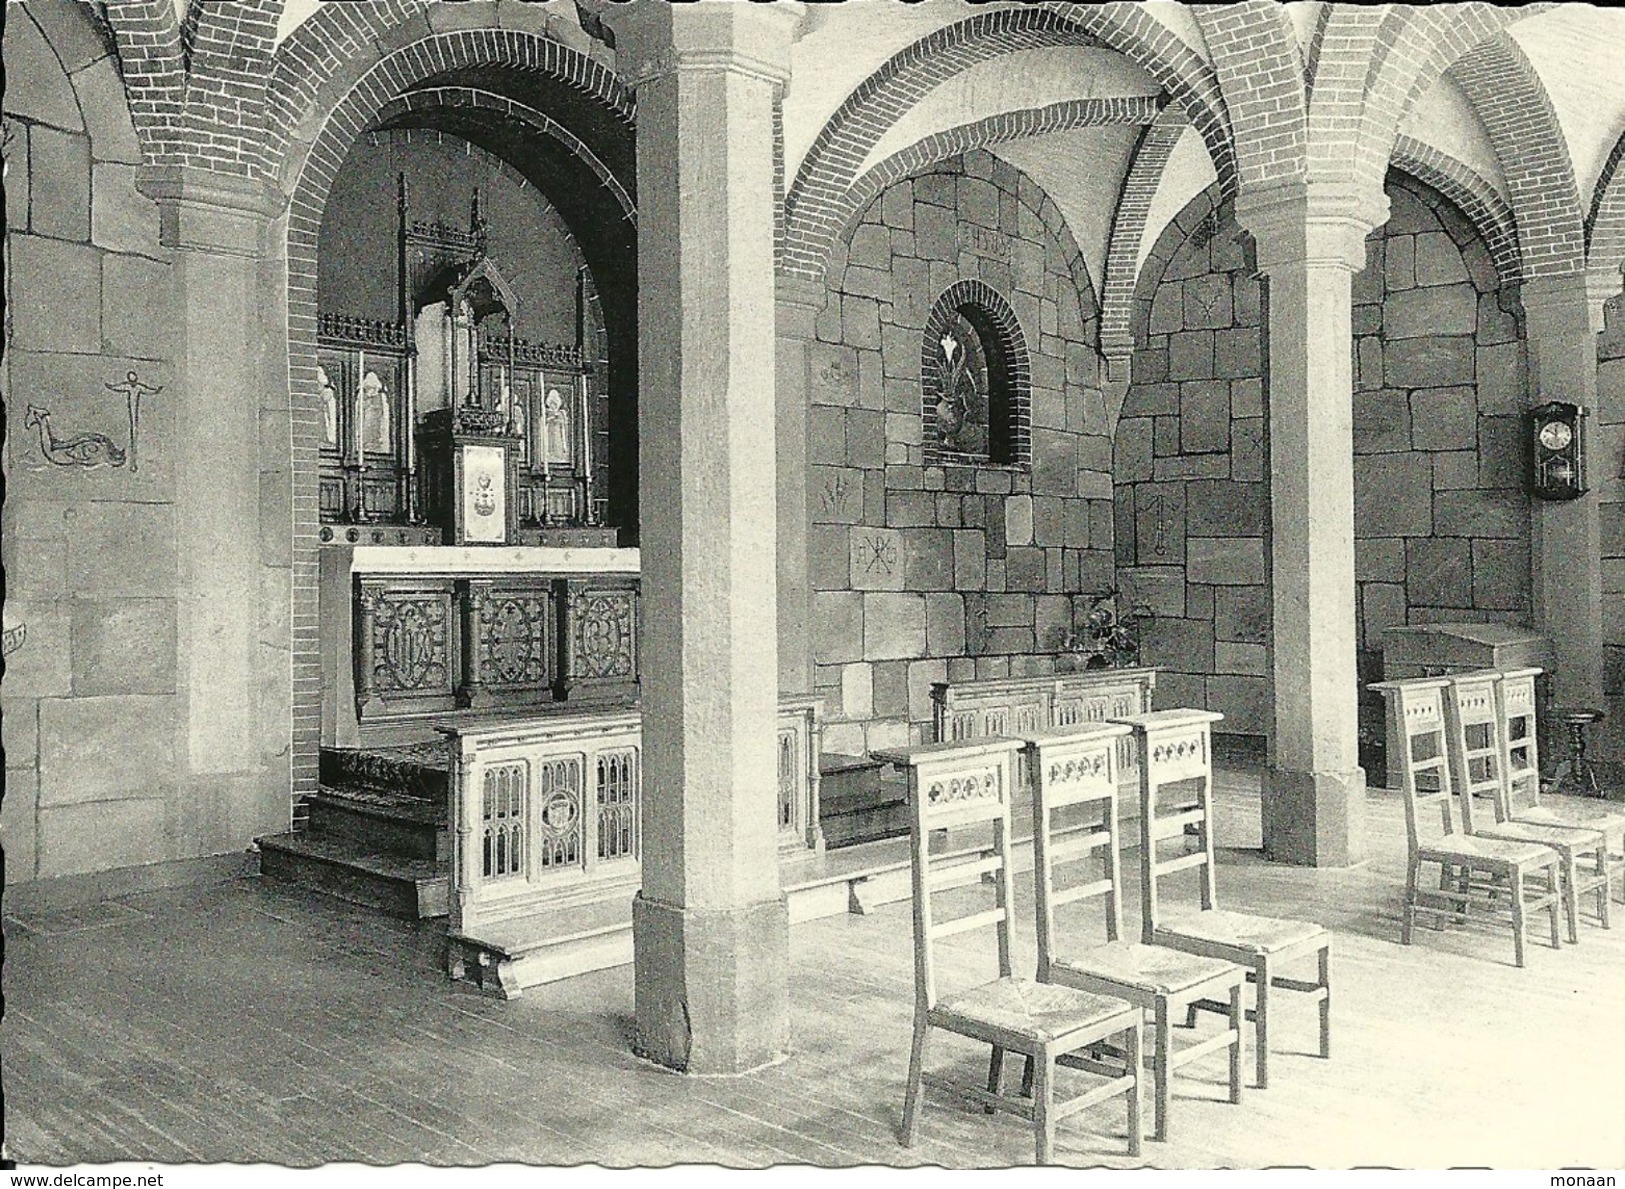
(133, 390)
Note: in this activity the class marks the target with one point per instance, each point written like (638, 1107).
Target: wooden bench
(1017, 706)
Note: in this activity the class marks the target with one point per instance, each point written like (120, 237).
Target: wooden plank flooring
(246, 1022)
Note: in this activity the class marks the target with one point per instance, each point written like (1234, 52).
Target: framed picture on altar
(484, 484)
(553, 428)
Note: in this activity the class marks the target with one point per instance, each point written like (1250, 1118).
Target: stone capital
(1568, 301)
(204, 211)
(1602, 285)
(798, 299)
(1117, 355)
(656, 39)
(1312, 225)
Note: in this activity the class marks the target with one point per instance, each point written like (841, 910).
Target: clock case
(1557, 471)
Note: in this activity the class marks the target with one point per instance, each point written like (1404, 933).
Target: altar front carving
(412, 634)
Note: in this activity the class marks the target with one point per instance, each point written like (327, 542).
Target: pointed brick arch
(1355, 45)
(1416, 51)
(1133, 209)
(1511, 100)
(1472, 194)
(815, 204)
(153, 60)
(1260, 68)
(1006, 126)
(1605, 222)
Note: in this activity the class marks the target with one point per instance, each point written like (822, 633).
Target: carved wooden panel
(603, 624)
(412, 650)
(600, 635)
(516, 637)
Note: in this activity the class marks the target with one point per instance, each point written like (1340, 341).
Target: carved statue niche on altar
(468, 441)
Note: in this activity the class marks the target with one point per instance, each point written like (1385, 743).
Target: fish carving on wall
(78, 450)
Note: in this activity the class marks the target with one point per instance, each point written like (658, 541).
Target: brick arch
(228, 48)
(1511, 100)
(334, 79)
(1140, 184)
(476, 98)
(197, 84)
(1605, 221)
(152, 58)
(1007, 126)
(1428, 41)
(1260, 69)
(815, 197)
(1010, 370)
(1472, 195)
(1354, 45)
(347, 61)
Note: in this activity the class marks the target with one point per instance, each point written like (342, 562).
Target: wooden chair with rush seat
(1477, 752)
(968, 784)
(1073, 772)
(1416, 719)
(1515, 702)
(1176, 748)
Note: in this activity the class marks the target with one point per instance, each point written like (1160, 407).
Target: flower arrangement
(1110, 634)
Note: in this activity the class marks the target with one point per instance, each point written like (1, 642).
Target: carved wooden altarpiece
(448, 422)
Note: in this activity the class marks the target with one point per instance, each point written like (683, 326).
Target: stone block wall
(90, 698)
(112, 760)
(1441, 518)
(1604, 451)
(923, 574)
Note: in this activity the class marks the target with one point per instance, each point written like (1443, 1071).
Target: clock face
(1555, 435)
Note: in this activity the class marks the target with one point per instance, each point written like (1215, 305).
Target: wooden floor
(246, 1023)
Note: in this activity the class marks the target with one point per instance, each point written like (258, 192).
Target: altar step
(377, 832)
(399, 885)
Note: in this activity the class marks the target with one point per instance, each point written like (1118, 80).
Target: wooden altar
(411, 634)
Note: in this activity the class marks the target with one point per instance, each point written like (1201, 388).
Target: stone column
(216, 226)
(1309, 247)
(1562, 317)
(709, 927)
(799, 301)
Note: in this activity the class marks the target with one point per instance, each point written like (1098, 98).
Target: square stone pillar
(1309, 248)
(1562, 317)
(799, 301)
(709, 927)
(234, 574)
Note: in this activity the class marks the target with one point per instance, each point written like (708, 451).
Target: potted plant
(1109, 637)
